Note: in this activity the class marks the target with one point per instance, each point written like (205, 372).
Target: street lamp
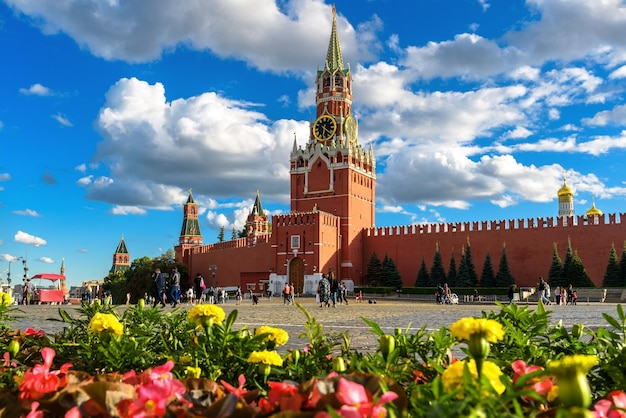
(9, 274)
(213, 268)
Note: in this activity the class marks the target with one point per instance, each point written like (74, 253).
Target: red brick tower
(121, 258)
(257, 223)
(333, 173)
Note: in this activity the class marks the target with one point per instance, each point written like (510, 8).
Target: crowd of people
(331, 290)
(562, 295)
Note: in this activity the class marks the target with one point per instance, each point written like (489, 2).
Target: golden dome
(593, 211)
(565, 190)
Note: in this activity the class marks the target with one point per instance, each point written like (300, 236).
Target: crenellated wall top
(495, 225)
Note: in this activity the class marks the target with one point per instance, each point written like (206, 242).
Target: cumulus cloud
(139, 32)
(26, 238)
(36, 90)
(216, 146)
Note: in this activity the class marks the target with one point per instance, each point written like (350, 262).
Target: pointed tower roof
(334, 60)
(190, 198)
(257, 209)
(121, 247)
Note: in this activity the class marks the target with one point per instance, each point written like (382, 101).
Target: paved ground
(389, 314)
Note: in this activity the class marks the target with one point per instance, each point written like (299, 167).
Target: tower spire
(334, 60)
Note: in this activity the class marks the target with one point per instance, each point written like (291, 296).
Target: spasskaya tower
(333, 172)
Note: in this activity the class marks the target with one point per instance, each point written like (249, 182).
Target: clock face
(351, 129)
(324, 128)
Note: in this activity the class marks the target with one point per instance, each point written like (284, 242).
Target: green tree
(622, 265)
(139, 277)
(556, 269)
(452, 274)
(372, 275)
(220, 236)
(487, 278)
(613, 276)
(565, 273)
(243, 233)
(437, 272)
(389, 274)
(233, 235)
(116, 284)
(577, 275)
(467, 273)
(504, 278)
(422, 279)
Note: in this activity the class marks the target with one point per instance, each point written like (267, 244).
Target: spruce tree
(467, 273)
(385, 274)
(233, 235)
(612, 276)
(463, 276)
(422, 279)
(487, 278)
(437, 272)
(452, 274)
(577, 275)
(372, 275)
(622, 265)
(504, 278)
(220, 236)
(569, 256)
(556, 268)
(395, 280)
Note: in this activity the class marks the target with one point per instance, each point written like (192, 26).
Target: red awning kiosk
(50, 293)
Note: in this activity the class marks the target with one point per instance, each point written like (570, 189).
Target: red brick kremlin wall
(529, 245)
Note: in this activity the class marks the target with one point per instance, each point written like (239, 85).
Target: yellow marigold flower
(206, 314)
(271, 358)
(194, 372)
(5, 299)
(277, 335)
(105, 323)
(488, 329)
(571, 374)
(452, 377)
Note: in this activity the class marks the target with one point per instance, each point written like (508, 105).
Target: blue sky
(476, 109)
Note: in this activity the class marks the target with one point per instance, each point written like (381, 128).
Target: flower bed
(145, 363)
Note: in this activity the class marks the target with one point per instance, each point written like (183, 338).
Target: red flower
(540, 384)
(237, 391)
(284, 395)
(34, 333)
(614, 406)
(358, 402)
(40, 380)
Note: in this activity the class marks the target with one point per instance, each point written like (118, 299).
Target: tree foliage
(504, 278)
(389, 275)
(452, 273)
(556, 269)
(423, 279)
(487, 277)
(374, 267)
(612, 275)
(437, 272)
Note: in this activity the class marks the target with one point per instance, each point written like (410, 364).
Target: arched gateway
(296, 274)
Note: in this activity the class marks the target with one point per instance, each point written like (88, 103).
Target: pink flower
(237, 391)
(358, 401)
(40, 380)
(612, 407)
(33, 411)
(540, 384)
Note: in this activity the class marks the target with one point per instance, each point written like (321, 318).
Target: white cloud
(36, 90)
(128, 210)
(216, 146)
(619, 73)
(27, 212)
(25, 238)
(62, 120)
(139, 32)
(5, 177)
(81, 167)
(46, 260)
